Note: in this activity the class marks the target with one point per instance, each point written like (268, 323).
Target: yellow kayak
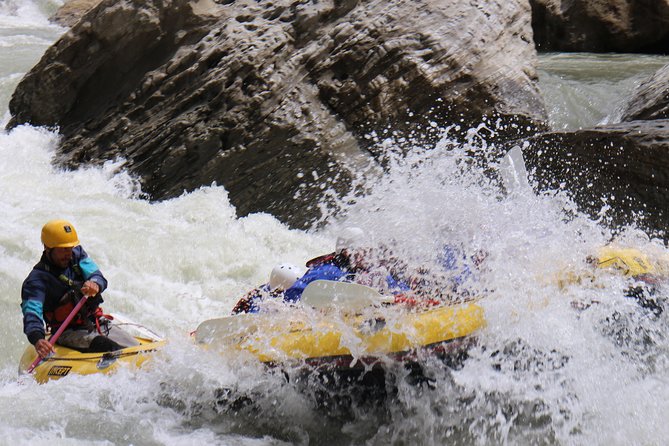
(325, 337)
(67, 361)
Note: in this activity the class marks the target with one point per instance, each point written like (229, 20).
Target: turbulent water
(586, 89)
(543, 372)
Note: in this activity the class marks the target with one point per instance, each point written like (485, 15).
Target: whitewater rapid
(542, 373)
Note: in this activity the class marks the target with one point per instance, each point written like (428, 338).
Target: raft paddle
(341, 295)
(237, 325)
(319, 294)
(60, 331)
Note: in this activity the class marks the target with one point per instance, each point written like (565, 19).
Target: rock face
(624, 166)
(632, 26)
(72, 10)
(651, 99)
(270, 99)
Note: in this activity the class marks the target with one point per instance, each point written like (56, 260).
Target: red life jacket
(321, 260)
(85, 317)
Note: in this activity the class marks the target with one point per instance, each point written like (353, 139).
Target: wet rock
(274, 100)
(72, 10)
(617, 172)
(651, 99)
(632, 26)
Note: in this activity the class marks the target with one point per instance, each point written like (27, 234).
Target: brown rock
(632, 26)
(272, 99)
(651, 99)
(624, 166)
(72, 10)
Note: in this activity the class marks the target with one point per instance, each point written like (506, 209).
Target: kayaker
(288, 281)
(351, 258)
(355, 260)
(63, 275)
(281, 278)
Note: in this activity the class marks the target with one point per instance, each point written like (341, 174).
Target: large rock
(651, 99)
(622, 169)
(632, 26)
(270, 99)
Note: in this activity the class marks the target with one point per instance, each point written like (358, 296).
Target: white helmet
(349, 238)
(284, 276)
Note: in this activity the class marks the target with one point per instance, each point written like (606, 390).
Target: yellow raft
(629, 262)
(67, 361)
(632, 262)
(319, 337)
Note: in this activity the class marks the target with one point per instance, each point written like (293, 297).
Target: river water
(542, 372)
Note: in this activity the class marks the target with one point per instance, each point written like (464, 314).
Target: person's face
(60, 256)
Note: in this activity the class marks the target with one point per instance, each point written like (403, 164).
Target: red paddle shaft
(60, 331)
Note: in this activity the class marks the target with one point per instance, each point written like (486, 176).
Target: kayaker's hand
(44, 348)
(90, 288)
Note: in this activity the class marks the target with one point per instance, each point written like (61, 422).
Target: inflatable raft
(67, 361)
(633, 262)
(628, 262)
(342, 332)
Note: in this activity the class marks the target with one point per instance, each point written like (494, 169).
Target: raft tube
(337, 340)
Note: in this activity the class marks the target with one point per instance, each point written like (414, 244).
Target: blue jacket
(43, 290)
(453, 259)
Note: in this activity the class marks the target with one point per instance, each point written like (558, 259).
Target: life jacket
(89, 314)
(415, 301)
(339, 260)
(321, 260)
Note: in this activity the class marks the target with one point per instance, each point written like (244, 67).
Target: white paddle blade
(323, 294)
(513, 172)
(225, 327)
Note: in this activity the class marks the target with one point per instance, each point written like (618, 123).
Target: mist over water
(543, 371)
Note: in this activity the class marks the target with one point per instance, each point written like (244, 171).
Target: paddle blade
(323, 294)
(226, 327)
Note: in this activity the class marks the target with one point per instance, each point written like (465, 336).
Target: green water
(583, 90)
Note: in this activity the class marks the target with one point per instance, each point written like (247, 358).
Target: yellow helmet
(59, 234)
